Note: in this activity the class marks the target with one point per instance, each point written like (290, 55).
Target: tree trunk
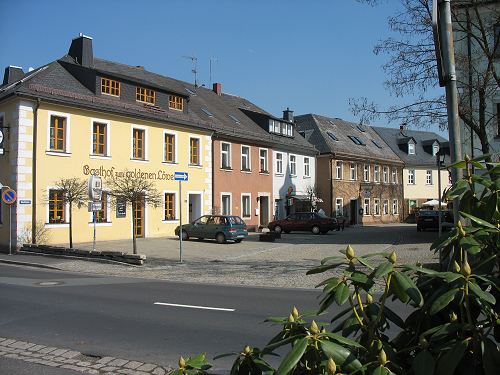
(134, 243)
(70, 226)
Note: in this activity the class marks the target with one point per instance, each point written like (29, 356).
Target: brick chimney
(217, 88)
(12, 74)
(81, 50)
(288, 115)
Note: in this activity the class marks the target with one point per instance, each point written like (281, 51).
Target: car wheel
(185, 235)
(315, 229)
(220, 238)
(278, 229)
(238, 240)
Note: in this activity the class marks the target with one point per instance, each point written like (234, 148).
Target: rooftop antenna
(194, 60)
(214, 59)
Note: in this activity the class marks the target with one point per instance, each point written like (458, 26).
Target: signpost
(95, 196)
(180, 176)
(9, 196)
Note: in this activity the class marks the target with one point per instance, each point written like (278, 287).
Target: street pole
(438, 158)
(180, 221)
(446, 36)
(94, 213)
(10, 229)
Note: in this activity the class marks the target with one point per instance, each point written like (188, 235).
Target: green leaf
(485, 296)
(409, 287)
(450, 276)
(443, 300)
(343, 340)
(491, 357)
(331, 285)
(225, 355)
(478, 220)
(383, 270)
(341, 294)
(329, 280)
(398, 291)
(459, 165)
(393, 317)
(420, 269)
(481, 157)
(273, 344)
(359, 277)
(450, 360)
(444, 240)
(365, 263)
(336, 258)
(423, 363)
(293, 357)
(342, 356)
(322, 269)
(477, 165)
(458, 189)
(381, 370)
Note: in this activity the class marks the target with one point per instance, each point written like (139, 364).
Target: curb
(95, 260)
(36, 265)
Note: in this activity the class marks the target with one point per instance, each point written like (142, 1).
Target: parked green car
(218, 227)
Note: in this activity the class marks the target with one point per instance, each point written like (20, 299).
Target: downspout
(34, 186)
(213, 172)
(330, 167)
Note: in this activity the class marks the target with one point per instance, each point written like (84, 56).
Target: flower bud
(247, 350)
(382, 357)
(291, 319)
(314, 328)
(369, 299)
(456, 266)
(393, 257)
(323, 330)
(182, 363)
(461, 231)
(466, 271)
(331, 367)
(295, 312)
(349, 252)
(467, 158)
(453, 317)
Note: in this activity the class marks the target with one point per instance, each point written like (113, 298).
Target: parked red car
(305, 221)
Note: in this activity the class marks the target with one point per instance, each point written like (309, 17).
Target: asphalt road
(109, 316)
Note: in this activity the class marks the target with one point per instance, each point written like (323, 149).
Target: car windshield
(235, 220)
(201, 220)
(321, 214)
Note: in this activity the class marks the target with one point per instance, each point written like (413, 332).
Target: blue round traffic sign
(9, 196)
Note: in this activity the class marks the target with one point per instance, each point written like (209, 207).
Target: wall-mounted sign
(1, 141)
(121, 209)
(24, 201)
(95, 206)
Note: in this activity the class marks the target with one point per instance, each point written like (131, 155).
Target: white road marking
(193, 306)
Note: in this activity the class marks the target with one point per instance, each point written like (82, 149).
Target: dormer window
(281, 128)
(110, 87)
(176, 102)
(435, 149)
(411, 148)
(145, 95)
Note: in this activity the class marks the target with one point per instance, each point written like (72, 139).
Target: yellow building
(79, 116)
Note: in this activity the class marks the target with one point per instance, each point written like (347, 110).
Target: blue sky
(311, 56)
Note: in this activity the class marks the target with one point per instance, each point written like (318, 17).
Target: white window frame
(271, 126)
(249, 156)
(293, 164)
(222, 152)
(394, 176)
(67, 132)
(338, 170)
(395, 204)
(411, 148)
(108, 138)
(307, 167)
(385, 174)
(176, 146)
(376, 173)
(428, 177)
(376, 206)
(266, 160)
(279, 163)
(176, 207)
(339, 209)
(353, 172)
(249, 196)
(366, 207)
(200, 153)
(222, 195)
(277, 127)
(146, 141)
(411, 177)
(385, 207)
(366, 172)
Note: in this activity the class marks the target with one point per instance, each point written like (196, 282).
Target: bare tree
(312, 191)
(74, 192)
(412, 68)
(136, 192)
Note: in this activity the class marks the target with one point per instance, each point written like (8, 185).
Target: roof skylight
(235, 119)
(376, 144)
(361, 128)
(207, 112)
(332, 136)
(356, 140)
(190, 91)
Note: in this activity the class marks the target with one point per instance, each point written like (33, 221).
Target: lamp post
(440, 161)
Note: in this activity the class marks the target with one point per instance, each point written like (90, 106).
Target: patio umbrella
(433, 203)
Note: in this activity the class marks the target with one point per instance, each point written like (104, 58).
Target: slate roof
(317, 129)
(396, 139)
(55, 83)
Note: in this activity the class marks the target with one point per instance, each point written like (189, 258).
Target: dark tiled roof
(397, 140)
(345, 147)
(55, 83)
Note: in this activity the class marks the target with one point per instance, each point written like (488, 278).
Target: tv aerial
(194, 60)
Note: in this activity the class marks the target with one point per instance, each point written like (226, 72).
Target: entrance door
(264, 210)
(194, 207)
(354, 211)
(138, 208)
